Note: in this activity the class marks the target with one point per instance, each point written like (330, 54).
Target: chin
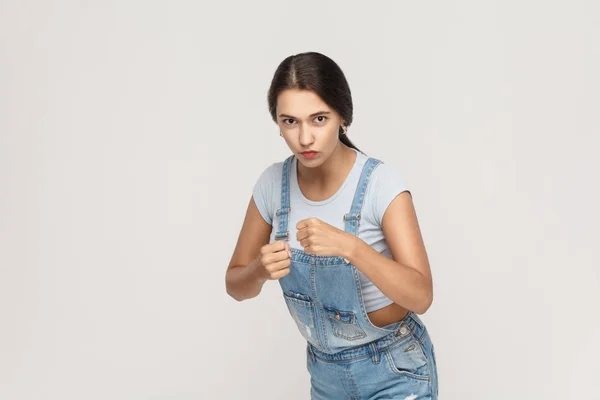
(309, 163)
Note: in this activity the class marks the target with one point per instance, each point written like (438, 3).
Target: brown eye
(321, 118)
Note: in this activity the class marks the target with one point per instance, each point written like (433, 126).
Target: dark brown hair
(319, 73)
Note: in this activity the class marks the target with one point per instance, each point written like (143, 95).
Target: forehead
(300, 103)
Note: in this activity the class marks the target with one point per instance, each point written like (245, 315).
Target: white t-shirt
(384, 185)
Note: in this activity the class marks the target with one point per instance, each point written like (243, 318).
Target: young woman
(338, 230)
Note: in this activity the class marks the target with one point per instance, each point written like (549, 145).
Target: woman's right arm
(254, 260)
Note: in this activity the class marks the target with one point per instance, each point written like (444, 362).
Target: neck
(337, 166)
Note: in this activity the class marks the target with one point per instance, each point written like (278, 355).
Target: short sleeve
(386, 184)
(263, 192)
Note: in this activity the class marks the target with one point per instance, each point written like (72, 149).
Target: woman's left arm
(405, 279)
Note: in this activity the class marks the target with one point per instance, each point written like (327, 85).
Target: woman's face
(309, 126)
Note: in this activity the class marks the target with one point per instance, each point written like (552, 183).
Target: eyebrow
(311, 115)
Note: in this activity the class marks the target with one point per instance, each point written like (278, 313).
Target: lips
(309, 154)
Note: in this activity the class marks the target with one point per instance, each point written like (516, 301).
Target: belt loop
(374, 353)
(416, 318)
(312, 354)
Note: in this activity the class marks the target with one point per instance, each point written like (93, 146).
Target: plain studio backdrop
(132, 132)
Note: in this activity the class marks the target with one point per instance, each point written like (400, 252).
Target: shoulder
(385, 171)
(266, 189)
(387, 181)
(272, 172)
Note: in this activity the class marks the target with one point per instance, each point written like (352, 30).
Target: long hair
(319, 73)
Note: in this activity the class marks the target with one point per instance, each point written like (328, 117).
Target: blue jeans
(398, 366)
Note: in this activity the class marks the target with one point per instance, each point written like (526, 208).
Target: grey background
(131, 133)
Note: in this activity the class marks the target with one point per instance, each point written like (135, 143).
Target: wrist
(255, 273)
(350, 248)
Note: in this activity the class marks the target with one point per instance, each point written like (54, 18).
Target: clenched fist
(274, 260)
(320, 238)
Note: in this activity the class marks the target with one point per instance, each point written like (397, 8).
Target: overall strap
(353, 217)
(284, 211)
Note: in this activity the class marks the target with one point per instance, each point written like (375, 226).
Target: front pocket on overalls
(343, 324)
(301, 309)
(407, 358)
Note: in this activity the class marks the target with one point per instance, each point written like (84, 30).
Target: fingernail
(290, 253)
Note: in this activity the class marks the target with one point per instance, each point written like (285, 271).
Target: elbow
(233, 296)
(238, 294)
(424, 303)
(240, 287)
(231, 292)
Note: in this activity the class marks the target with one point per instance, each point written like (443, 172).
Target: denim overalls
(347, 356)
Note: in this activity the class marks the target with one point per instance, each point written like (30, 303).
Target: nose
(306, 137)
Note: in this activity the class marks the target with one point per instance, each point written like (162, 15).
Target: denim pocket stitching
(419, 343)
(395, 347)
(346, 319)
(304, 303)
(396, 371)
(292, 300)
